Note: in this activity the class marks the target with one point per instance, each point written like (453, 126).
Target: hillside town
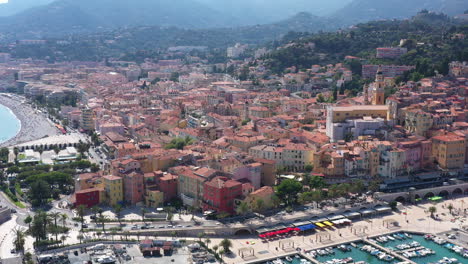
(214, 146)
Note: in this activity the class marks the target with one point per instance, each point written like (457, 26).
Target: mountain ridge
(366, 10)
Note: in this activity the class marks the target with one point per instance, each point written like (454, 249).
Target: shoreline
(19, 121)
(33, 125)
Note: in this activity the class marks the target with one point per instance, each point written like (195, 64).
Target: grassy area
(20, 204)
(18, 189)
(13, 198)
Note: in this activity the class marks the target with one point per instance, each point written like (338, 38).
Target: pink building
(252, 172)
(133, 188)
(123, 166)
(111, 127)
(413, 152)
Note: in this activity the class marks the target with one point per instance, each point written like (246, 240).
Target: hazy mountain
(268, 11)
(365, 10)
(16, 6)
(84, 15)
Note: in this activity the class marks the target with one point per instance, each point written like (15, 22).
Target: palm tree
(243, 208)
(200, 236)
(215, 248)
(63, 238)
(19, 240)
(102, 219)
(432, 210)
(170, 216)
(16, 151)
(226, 244)
(207, 241)
(54, 216)
(95, 211)
(64, 218)
(56, 150)
(221, 253)
(259, 204)
(81, 212)
(192, 212)
(450, 208)
(143, 212)
(118, 211)
(80, 237)
(28, 220)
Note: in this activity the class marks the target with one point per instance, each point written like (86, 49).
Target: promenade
(417, 219)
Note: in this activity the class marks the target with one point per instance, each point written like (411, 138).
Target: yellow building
(87, 119)
(338, 114)
(113, 187)
(449, 151)
(378, 89)
(329, 163)
(265, 194)
(154, 198)
(292, 157)
(418, 121)
(158, 160)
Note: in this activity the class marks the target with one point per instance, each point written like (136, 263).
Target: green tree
(309, 168)
(28, 220)
(316, 182)
(54, 216)
(16, 152)
(81, 209)
(102, 219)
(201, 235)
(450, 208)
(357, 186)
(64, 218)
(226, 244)
(143, 212)
(432, 210)
(95, 139)
(276, 201)
(56, 150)
(118, 211)
(288, 190)
(19, 240)
(259, 205)
(243, 208)
(95, 211)
(80, 237)
(82, 148)
(39, 226)
(39, 192)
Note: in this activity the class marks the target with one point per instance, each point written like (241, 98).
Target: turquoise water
(356, 254)
(9, 124)
(440, 250)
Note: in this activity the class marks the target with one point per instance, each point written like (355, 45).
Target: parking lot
(115, 253)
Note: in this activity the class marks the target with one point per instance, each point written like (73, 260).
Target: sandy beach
(33, 125)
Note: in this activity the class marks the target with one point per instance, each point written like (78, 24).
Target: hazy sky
(3, 1)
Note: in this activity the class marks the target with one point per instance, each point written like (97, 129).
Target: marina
(417, 248)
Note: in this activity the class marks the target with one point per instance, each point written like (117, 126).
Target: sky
(3, 1)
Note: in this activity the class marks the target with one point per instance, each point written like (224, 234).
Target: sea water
(9, 124)
(440, 250)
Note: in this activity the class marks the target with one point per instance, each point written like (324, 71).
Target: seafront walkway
(414, 218)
